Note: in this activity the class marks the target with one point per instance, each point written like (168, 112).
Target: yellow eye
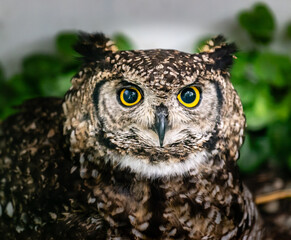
(130, 96)
(189, 96)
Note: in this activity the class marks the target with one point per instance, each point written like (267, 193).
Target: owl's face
(156, 112)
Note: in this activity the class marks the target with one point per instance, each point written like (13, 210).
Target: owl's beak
(161, 122)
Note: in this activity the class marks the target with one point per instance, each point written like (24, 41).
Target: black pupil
(188, 95)
(130, 95)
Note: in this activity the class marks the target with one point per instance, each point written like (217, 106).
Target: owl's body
(127, 154)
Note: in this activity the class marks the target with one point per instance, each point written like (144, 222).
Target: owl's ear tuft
(220, 52)
(94, 47)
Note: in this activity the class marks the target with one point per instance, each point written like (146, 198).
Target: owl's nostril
(161, 122)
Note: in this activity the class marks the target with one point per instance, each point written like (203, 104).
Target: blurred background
(37, 59)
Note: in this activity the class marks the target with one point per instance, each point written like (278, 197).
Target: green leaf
(65, 42)
(259, 23)
(265, 110)
(58, 87)
(6, 111)
(18, 87)
(273, 68)
(12, 93)
(254, 153)
(122, 42)
(243, 78)
(282, 107)
(279, 136)
(261, 80)
(289, 162)
(239, 66)
(37, 67)
(288, 31)
(4, 99)
(259, 114)
(2, 75)
(245, 92)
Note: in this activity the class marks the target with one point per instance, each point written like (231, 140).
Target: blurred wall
(29, 25)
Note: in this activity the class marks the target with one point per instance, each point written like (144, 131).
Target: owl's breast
(162, 209)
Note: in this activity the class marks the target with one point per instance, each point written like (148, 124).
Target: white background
(30, 25)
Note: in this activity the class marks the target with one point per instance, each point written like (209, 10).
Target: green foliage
(2, 77)
(263, 81)
(45, 74)
(255, 151)
(262, 78)
(273, 69)
(288, 31)
(259, 23)
(122, 42)
(41, 75)
(64, 44)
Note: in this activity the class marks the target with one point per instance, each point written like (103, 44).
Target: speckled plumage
(86, 167)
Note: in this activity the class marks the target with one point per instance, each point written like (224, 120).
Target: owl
(144, 145)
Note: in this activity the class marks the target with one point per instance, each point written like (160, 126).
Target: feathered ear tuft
(221, 52)
(94, 47)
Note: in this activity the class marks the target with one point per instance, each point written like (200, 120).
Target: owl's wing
(37, 189)
(29, 152)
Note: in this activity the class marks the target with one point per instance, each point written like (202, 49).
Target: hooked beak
(161, 122)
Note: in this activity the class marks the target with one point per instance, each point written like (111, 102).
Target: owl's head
(154, 112)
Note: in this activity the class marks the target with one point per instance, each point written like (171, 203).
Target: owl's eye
(189, 96)
(129, 96)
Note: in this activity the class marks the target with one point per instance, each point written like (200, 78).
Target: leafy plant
(122, 42)
(45, 74)
(259, 23)
(262, 78)
(288, 31)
